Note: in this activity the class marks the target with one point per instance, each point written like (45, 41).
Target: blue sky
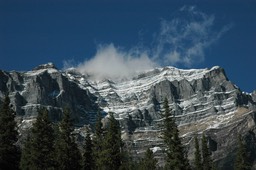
(99, 35)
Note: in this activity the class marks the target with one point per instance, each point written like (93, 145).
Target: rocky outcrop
(47, 87)
(202, 100)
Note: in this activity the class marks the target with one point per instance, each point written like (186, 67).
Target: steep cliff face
(45, 86)
(193, 94)
(202, 100)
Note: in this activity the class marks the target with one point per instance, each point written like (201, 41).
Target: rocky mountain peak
(45, 66)
(202, 100)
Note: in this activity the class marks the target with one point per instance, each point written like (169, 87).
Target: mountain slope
(45, 86)
(202, 100)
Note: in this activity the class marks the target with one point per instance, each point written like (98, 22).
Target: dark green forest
(51, 145)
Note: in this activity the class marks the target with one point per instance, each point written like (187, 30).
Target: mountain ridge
(202, 100)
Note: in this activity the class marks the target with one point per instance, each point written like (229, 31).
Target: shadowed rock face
(47, 87)
(202, 100)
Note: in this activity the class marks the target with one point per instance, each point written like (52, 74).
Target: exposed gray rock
(254, 96)
(45, 66)
(43, 88)
(202, 100)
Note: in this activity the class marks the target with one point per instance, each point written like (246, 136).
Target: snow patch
(155, 149)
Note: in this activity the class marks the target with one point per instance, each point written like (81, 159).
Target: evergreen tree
(112, 148)
(148, 162)
(67, 153)
(128, 163)
(88, 162)
(9, 152)
(176, 156)
(241, 162)
(206, 155)
(38, 152)
(197, 154)
(25, 162)
(167, 134)
(97, 142)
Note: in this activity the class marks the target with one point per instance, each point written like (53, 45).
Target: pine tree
(241, 162)
(206, 155)
(67, 153)
(167, 135)
(112, 148)
(176, 156)
(9, 152)
(197, 154)
(148, 162)
(88, 162)
(26, 159)
(97, 142)
(127, 162)
(38, 152)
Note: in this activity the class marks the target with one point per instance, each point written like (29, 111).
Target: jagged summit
(202, 100)
(161, 71)
(177, 73)
(49, 65)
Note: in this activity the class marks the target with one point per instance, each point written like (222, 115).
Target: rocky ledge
(202, 100)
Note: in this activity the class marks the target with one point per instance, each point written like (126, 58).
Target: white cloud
(111, 62)
(181, 41)
(172, 57)
(69, 64)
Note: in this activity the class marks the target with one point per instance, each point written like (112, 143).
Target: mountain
(202, 100)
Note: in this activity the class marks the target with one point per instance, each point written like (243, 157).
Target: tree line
(53, 146)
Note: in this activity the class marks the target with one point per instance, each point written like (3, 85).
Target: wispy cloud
(69, 64)
(181, 41)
